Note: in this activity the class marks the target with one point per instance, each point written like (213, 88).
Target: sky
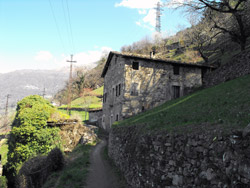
(42, 34)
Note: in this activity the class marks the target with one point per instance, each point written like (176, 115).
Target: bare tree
(228, 16)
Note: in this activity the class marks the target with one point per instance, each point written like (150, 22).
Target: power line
(57, 27)
(70, 27)
(66, 23)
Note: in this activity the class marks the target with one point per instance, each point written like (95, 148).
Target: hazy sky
(41, 34)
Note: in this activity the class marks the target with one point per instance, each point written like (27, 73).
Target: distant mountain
(22, 83)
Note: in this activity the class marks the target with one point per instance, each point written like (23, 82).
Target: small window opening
(135, 65)
(117, 117)
(116, 91)
(104, 97)
(142, 108)
(119, 90)
(176, 70)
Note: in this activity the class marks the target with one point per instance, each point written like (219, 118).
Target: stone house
(134, 83)
(95, 116)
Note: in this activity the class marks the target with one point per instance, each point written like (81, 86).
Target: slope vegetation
(225, 104)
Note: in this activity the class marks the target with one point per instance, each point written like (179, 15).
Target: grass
(81, 114)
(227, 104)
(75, 172)
(98, 91)
(4, 150)
(92, 101)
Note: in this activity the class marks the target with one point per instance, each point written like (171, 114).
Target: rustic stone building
(95, 116)
(133, 84)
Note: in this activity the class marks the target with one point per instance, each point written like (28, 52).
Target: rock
(177, 180)
(209, 174)
(244, 169)
(246, 131)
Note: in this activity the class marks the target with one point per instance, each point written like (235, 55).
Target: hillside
(29, 82)
(226, 104)
(92, 99)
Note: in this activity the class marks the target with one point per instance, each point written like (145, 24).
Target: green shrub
(30, 136)
(35, 171)
(3, 182)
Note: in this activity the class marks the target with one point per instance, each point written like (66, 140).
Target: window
(176, 70)
(176, 92)
(104, 97)
(119, 89)
(135, 65)
(133, 89)
(117, 117)
(116, 90)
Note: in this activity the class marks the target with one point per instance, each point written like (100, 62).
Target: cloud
(137, 4)
(43, 56)
(87, 59)
(150, 18)
(90, 57)
(146, 8)
(143, 11)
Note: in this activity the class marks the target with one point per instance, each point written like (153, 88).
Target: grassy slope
(4, 150)
(75, 172)
(227, 103)
(91, 102)
(88, 101)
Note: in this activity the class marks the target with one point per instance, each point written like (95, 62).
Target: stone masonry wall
(237, 67)
(154, 82)
(113, 105)
(198, 156)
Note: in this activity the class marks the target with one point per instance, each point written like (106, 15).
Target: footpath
(100, 171)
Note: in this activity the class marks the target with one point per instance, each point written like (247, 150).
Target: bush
(30, 136)
(35, 171)
(55, 159)
(3, 182)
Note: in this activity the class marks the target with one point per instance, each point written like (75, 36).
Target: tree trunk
(205, 58)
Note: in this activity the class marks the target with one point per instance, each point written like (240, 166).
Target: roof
(147, 58)
(95, 110)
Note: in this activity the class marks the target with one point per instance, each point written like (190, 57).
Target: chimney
(152, 54)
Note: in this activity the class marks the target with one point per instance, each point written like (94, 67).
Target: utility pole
(70, 85)
(158, 17)
(44, 92)
(7, 104)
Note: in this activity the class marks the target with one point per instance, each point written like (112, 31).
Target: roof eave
(105, 69)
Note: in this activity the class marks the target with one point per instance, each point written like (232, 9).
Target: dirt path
(100, 172)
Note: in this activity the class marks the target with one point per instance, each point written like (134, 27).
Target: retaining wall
(238, 66)
(200, 156)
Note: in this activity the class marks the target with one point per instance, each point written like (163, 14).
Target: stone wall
(237, 67)
(95, 117)
(113, 104)
(155, 81)
(73, 132)
(197, 156)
